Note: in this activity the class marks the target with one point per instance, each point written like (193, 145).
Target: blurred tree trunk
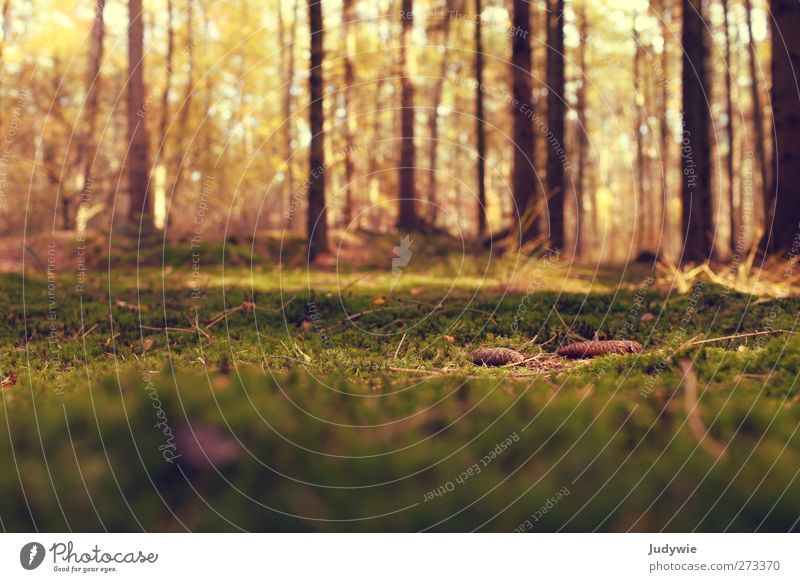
(317, 225)
(581, 228)
(348, 23)
(433, 119)
(641, 226)
(555, 121)
(287, 67)
(160, 171)
(140, 210)
(758, 123)
(87, 150)
(523, 172)
(480, 129)
(730, 130)
(664, 222)
(696, 152)
(181, 159)
(407, 219)
(786, 112)
(6, 14)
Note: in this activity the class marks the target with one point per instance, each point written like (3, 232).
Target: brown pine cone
(593, 349)
(496, 357)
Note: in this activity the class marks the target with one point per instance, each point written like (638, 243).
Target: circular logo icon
(31, 555)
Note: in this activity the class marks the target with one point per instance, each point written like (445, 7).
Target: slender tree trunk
(87, 150)
(758, 122)
(348, 24)
(433, 119)
(786, 112)
(664, 222)
(696, 151)
(287, 66)
(640, 226)
(140, 210)
(581, 228)
(480, 129)
(730, 130)
(407, 219)
(555, 122)
(181, 158)
(317, 224)
(160, 171)
(6, 13)
(523, 172)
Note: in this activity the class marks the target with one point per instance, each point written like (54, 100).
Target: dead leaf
(381, 299)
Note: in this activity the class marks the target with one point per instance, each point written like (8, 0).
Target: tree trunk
(664, 222)
(786, 112)
(87, 149)
(5, 11)
(555, 121)
(317, 225)
(160, 172)
(140, 211)
(758, 122)
(348, 23)
(695, 147)
(523, 172)
(640, 225)
(730, 131)
(581, 228)
(480, 129)
(181, 159)
(407, 219)
(433, 119)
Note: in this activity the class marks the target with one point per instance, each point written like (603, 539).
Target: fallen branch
(739, 336)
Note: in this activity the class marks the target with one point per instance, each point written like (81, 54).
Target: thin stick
(397, 351)
(739, 336)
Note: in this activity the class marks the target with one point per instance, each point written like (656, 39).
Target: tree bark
(181, 158)
(786, 113)
(523, 172)
(730, 131)
(664, 222)
(87, 149)
(407, 218)
(696, 151)
(641, 225)
(161, 169)
(581, 227)
(140, 210)
(758, 122)
(480, 129)
(555, 122)
(317, 225)
(348, 23)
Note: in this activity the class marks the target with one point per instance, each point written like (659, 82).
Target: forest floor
(196, 393)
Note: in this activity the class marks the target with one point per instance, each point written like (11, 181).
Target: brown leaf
(379, 300)
(593, 349)
(9, 380)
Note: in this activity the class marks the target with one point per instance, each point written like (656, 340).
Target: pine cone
(599, 348)
(496, 356)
